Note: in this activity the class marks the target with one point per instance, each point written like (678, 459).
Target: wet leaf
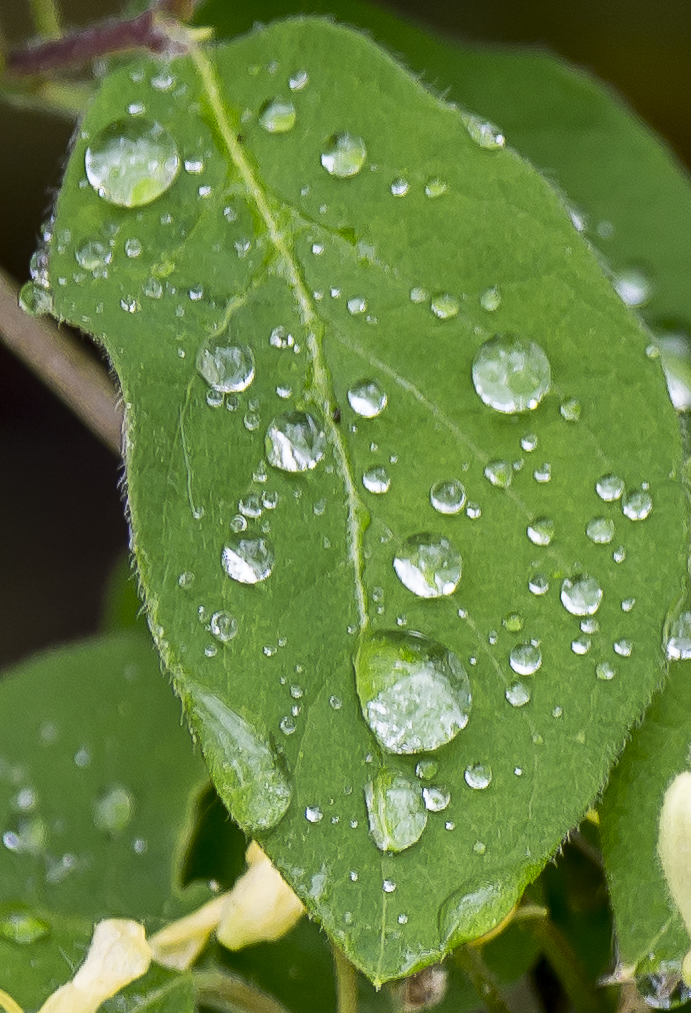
(97, 787)
(292, 285)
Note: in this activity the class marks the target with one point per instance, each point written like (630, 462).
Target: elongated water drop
(344, 155)
(19, 925)
(414, 693)
(226, 368)
(511, 375)
(581, 596)
(678, 645)
(448, 496)
(367, 399)
(295, 442)
(248, 560)
(245, 770)
(483, 132)
(429, 565)
(499, 473)
(395, 809)
(132, 162)
(277, 116)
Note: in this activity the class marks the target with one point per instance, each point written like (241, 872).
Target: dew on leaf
(581, 596)
(429, 565)
(444, 305)
(511, 375)
(414, 693)
(132, 162)
(357, 305)
(93, 255)
(447, 496)
(623, 647)
(250, 505)
(223, 626)
(499, 473)
(435, 187)
(21, 927)
(557, 711)
(400, 187)
(133, 248)
(248, 560)
(226, 368)
(609, 488)
(395, 811)
(335, 703)
(426, 769)
(633, 287)
(483, 132)
(473, 510)
(214, 398)
(313, 814)
(678, 645)
(35, 300)
(419, 295)
(490, 300)
(529, 442)
(637, 505)
(478, 775)
(186, 579)
(525, 659)
(543, 473)
(600, 530)
(513, 622)
(436, 799)
(113, 810)
(277, 116)
(298, 80)
(541, 531)
(605, 671)
(538, 584)
(376, 480)
(628, 604)
(570, 409)
(388, 886)
(518, 694)
(367, 399)
(295, 442)
(344, 155)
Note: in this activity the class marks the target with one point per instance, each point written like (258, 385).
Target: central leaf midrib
(308, 314)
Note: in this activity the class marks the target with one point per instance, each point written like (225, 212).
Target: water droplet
(22, 927)
(248, 560)
(511, 375)
(444, 305)
(637, 505)
(478, 775)
(619, 554)
(605, 671)
(473, 510)
(428, 565)
(82, 758)
(93, 255)
(396, 813)
(484, 133)
(402, 919)
(132, 162)
(538, 584)
(35, 300)
(499, 473)
(251, 505)
(357, 305)
(543, 473)
(295, 442)
(447, 496)
(580, 646)
(186, 579)
(426, 770)
(414, 693)
(529, 442)
(29, 838)
(210, 651)
(418, 294)
(277, 116)
(245, 770)
(400, 187)
(633, 287)
(557, 711)
(678, 645)
(133, 248)
(525, 659)
(600, 530)
(298, 80)
(490, 300)
(609, 488)
(628, 604)
(436, 799)
(388, 886)
(223, 626)
(335, 703)
(623, 648)
(518, 694)
(344, 155)
(113, 810)
(581, 596)
(313, 814)
(541, 531)
(367, 399)
(570, 409)
(436, 187)
(226, 368)
(354, 876)
(513, 622)
(376, 480)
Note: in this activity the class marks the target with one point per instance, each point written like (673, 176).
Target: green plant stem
(46, 18)
(471, 963)
(229, 993)
(62, 364)
(568, 968)
(346, 983)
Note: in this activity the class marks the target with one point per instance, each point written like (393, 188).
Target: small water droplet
(295, 442)
(313, 814)
(580, 646)
(678, 645)
(214, 398)
(133, 248)
(388, 886)
(581, 596)
(226, 368)
(628, 604)
(163, 81)
(354, 876)
(511, 375)
(435, 187)
(637, 505)
(426, 770)
(447, 496)
(298, 80)
(623, 648)
(473, 510)
(525, 659)
(414, 693)
(490, 300)
(153, 289)
(429, 565)
(210, 651)
(82, 758)
(619, 554)
(277, 116)
(21, 927)
(238, 524)
(499, 473)
(444, 305)
(367, 399)
(376, 480)
(113, 810)
(248, 560)
(418, 295)
(570, 409)
(557, 711)
(132, 162)
(513, 622)
(223, 626)
(518, 694)
(483, 132)
(186, 579)
(396, 813)
(402, 919)
(436, 799)
(605, 671)
(543, 473)
(529, 442)
(344, 155)
(538, 584)
(541, 531)
(35, 300)
(250, 505)
(633, 287)
(600, 530)
(478, 775)
(357, 305)
(400, 187)
(609, 488)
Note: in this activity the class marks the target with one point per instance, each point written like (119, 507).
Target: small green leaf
(335, 438)
(97, 786)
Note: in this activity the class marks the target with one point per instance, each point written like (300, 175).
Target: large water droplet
(511, 375)
(581, 596)
(609, 488)
(132, 162)
(541, 531)
(478, 775)
(367, 399)
(428, 565)
(376, 480)
(448, 496)
(414, 693)
(277, 116)
(637, 505)
(248, 560)
(518, 694)
(113, 810)
(395, 809)
(600, 530)
(525, 659)
(295, 442)
(344, 155)
(227, 368)
(21, 926)
(499, 473)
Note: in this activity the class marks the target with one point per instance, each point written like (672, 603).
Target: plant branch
(568, 968)
(229, 993)
(346, 983)
(471, 963)
(63, 365)
(46, 18)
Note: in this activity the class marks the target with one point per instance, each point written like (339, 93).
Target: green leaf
(257, 243)
(158, 991)
(97, 787)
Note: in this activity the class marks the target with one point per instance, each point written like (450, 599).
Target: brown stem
(63, 365)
